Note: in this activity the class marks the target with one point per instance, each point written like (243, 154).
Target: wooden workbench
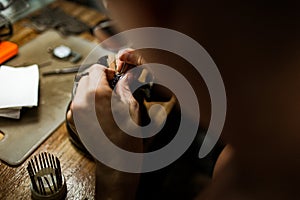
(77, 169)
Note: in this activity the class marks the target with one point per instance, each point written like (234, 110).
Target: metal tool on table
(64, 52)
(67, 70)
(47, 181)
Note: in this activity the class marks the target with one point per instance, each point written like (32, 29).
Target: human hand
(122, 88)
(129, 56)
(94, 95)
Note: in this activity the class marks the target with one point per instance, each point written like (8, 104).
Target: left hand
(110, 183)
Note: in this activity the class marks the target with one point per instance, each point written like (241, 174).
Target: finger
(123, 51)
(123, 90)
(110, 73)
(119, 63)
(131, 58)
(70, 120)
(124, 67)
(70, 116)
(126, 96)
(101, 74)
(87, 85)
(134, 110)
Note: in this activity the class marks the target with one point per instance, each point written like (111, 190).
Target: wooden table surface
(78, 170)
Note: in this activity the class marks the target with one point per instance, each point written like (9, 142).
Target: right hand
(110, 183)
(129, 56)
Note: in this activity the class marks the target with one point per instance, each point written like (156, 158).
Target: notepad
(18, 88)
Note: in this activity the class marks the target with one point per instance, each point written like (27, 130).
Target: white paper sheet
(18, 88)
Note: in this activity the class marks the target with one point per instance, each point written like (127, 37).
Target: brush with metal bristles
(47, 181)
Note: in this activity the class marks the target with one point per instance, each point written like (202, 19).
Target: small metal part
(67, 70)
(65, 53)
(62, 52)
(117, 76)
(75, 57)
(47, 181)
(122, 68)
(115, 80)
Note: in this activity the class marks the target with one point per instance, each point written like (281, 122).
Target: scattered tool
(67, 70)
(47, 181)
(7, 50)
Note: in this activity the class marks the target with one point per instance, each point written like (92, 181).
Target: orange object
(7, 50)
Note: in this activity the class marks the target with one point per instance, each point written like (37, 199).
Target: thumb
(130, 57)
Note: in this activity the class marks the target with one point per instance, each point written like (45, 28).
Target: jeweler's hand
(129, 56)
(94, 89)
(94, 95)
